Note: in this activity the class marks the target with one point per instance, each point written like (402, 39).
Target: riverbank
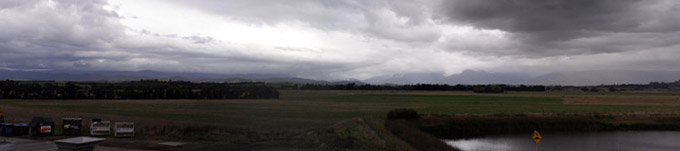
(469, 126)
(421, 133)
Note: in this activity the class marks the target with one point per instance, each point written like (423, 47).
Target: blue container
(6, 129)
(24, 128)
(15, 129)
(19, 129)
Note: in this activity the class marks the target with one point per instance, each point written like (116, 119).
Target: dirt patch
(645, 98)
(652, 100)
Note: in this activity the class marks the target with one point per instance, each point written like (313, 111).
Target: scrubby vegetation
(403, 113)
(409, 132)
(467, 126)
(403, 124)
(355, 134)
(425, 133)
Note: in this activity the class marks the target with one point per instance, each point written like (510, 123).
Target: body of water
(562, 141)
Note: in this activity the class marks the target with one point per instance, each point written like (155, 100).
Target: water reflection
(595, 141)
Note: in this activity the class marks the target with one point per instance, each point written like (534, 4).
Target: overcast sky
(340, 39)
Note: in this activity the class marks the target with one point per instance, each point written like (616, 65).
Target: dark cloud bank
(568, 27)
(83, 35)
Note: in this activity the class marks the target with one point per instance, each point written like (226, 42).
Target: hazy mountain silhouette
(607, 77)
(66, 75)
(408, 78)
(465, 77)
(555, 78)
(483, 77)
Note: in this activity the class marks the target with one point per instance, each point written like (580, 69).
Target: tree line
(621, 87)
(424, 87)
(489, 88)
(144, 89)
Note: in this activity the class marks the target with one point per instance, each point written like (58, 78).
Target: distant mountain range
(483, 77)
(607, 77)
(66, 75)
(555, 78)
(465, 77)
(408, 78)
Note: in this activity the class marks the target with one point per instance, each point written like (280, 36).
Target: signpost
(536, 138)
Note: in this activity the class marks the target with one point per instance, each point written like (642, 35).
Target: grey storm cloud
(83, 35)
(567, 27)
(37, 34)
(200, 39)
(402, 20)
(347, 38)
(59, 34)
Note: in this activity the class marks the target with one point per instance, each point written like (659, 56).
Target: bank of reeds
(409, 132)
(404, 123)
(468, 126)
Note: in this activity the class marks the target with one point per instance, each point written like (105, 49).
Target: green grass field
(297, 112)
(309, 109)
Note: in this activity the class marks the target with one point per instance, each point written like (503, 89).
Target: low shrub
(403, 113)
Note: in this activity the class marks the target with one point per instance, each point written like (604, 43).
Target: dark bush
(488, 89)
(402, 113)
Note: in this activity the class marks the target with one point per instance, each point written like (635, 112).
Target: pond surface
(562, 141)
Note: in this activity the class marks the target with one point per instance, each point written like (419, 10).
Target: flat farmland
(300, 111)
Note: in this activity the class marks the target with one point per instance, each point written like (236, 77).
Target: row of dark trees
(488, 89)
(620, 87)
(429, 87)
(145, 89)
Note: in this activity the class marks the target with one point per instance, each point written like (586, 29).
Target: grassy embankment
(299, 116)
(468, 126)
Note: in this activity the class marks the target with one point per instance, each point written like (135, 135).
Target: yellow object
(536, 137)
